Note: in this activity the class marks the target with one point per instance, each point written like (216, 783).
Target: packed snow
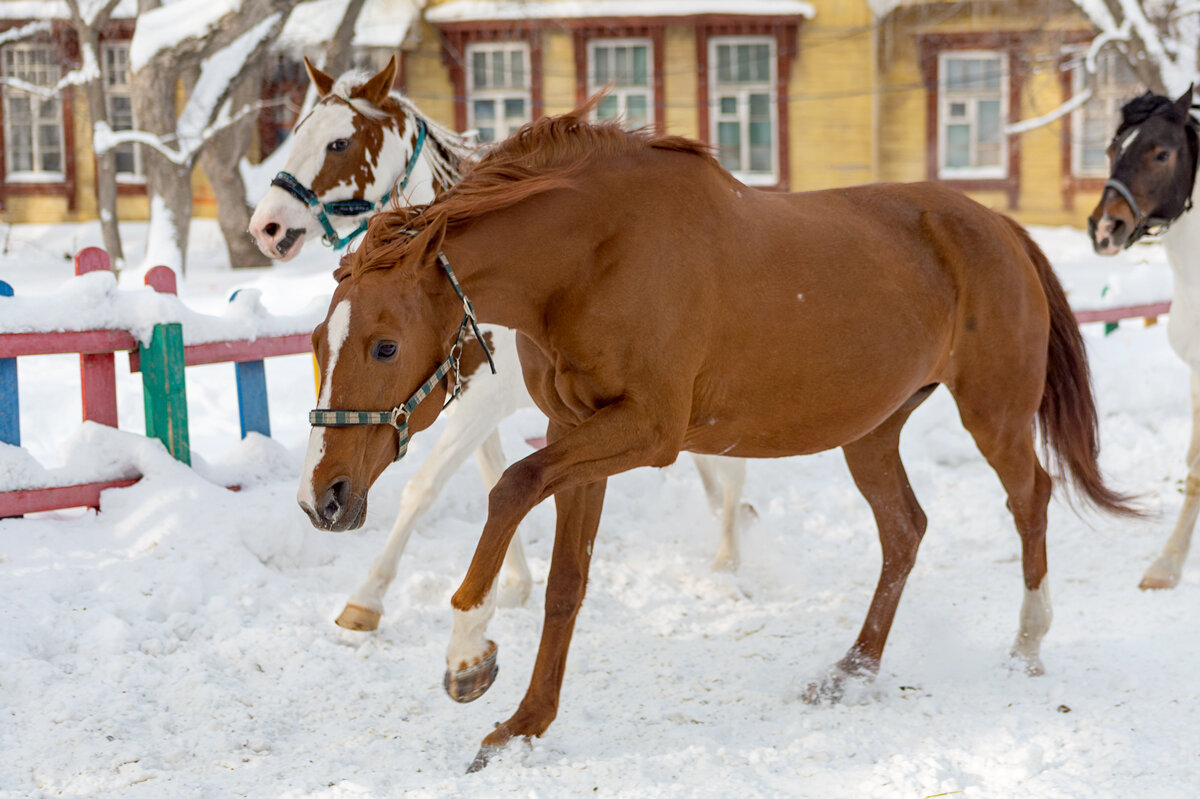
(180, 643)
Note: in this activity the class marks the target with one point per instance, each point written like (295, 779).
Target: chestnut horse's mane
(543, 155)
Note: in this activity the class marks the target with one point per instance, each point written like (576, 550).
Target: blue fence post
(10, 407)
(253, 410)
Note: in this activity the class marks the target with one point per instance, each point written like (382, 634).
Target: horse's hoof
(725, 563)
(827, 690)
(1158, 581)
(356, 617)
(467, 685)
(1031, 665)
(482, 757)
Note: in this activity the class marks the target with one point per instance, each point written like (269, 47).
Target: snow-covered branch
(25, 31)
(104, 138)
(1045, 119)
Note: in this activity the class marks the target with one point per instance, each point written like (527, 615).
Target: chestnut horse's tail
(1067, 415)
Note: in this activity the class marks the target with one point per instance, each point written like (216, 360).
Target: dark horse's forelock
(1139, 109)
(543, 155)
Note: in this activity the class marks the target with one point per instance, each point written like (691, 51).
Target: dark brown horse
(1154, 157)
(663, 306)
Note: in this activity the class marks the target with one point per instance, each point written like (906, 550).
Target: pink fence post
(97, 372)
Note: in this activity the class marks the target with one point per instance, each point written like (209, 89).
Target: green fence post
(163, 383)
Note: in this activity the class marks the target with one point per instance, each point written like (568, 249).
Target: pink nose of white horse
(275, 238)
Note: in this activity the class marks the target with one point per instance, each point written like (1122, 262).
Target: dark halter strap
(398, 417)
(354, 206)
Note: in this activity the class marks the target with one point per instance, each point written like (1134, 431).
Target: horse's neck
(1182, 246)
(441, 157)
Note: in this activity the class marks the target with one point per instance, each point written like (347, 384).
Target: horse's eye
(1162, 155)
(338, 145)
(384, 350)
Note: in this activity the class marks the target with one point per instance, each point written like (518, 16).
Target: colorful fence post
(10, 407)
(163, 382)
(253, 410)
(97, 371)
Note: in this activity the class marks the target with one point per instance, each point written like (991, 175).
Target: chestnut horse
(663, 306)
(361, 138)
(1154, 155)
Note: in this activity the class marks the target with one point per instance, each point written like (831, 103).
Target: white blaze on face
(326, 122)
(1133, 134)
(336, 329)
(468, 645)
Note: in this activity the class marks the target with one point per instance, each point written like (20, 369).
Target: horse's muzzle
(337, 509)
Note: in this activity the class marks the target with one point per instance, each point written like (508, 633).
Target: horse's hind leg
(723, 480)
(1006, 441)
(875, 465)
(1166, 570)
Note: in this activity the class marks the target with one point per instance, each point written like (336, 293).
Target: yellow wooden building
(796, 94)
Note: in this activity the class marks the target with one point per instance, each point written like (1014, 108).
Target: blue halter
(352, 207)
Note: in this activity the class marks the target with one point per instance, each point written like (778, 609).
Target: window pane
(728, 105)
(124, 159)
(22, 160)
(742, 73)
(989, 122)
(724, 69)
(729, 141)
(991, 74)
(19, 109)
(958, 146)
(479, 70)
(956, 74)
(958, 110)
(603, 73)
(50, 161)
(485, 112)
(514, 112)
(641, 75)
(762, 62)
(637, 110)
(499, 78)
(607, 108)
(48, 136)
(516, 61)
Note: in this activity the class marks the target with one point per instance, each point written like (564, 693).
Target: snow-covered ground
(180, 643)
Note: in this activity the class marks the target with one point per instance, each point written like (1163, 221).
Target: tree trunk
(168, 185)
(219, 160)
(106, 166)
(340, 48)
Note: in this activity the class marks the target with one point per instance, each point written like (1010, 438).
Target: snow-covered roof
(382, 23)
(475, 10)
(36, 9)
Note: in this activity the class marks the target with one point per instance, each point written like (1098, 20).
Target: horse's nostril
(271, 229)
(337, 496)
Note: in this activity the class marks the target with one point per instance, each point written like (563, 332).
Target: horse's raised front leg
(466, 431)
(573, 468)
(1166, 570)
(724, 479)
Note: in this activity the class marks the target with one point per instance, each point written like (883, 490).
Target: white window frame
(945, 98)
(1112, 96)
(122, 88)
(743, 90)
(36, 175)
(498, 94)
(622, 93)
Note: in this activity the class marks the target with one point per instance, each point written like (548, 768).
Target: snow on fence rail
(157, 350)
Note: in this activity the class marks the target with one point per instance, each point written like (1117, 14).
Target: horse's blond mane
(543, 155)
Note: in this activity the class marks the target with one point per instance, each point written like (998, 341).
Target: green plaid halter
(398, 417)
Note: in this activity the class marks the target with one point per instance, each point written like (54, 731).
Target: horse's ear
(1184, 104)
(323, 82)
(376, 90)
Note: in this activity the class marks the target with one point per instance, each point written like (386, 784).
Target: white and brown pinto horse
(359, 148)
(651, 292)
(1154, 155)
